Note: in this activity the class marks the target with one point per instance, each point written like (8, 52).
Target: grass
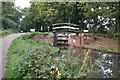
(5, 32)
(20, 49)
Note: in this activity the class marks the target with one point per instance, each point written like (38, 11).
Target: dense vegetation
(5, 32)
(31, 59)
(9, 19)
(21, 49)
(10, 16)
(100, 17)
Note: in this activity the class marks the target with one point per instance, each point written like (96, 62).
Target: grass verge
(5, 32)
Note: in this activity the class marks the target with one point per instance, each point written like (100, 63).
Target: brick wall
(74, 40)
(78, 40)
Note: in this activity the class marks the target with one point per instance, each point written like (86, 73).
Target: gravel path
(4, 46)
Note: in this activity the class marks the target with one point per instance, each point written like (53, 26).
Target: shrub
(28, 35)
(8, 23)
(43, 64)
(4, 32)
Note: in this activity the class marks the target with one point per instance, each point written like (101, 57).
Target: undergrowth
(28, 58)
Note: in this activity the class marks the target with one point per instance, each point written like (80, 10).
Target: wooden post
(82, 39)
(55, 39)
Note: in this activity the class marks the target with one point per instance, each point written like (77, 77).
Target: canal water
(108, 64)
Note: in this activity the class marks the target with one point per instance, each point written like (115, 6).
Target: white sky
(22, 3)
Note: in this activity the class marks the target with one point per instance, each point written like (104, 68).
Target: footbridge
(69, 34)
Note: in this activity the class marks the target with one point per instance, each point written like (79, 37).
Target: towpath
(105, 44)
(4, 46)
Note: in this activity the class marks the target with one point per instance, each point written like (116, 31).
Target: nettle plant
(41, 63)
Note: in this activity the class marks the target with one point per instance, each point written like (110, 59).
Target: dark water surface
(108, 66)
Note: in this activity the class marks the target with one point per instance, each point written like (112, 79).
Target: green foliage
(43, 64)
(84, 14)
(4, 32)
(108, 17)
(45, 14)
(28, 35)
(8, 23)
(10, 15)
(28, 58)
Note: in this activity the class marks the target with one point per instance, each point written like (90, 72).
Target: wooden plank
(62, 36)
(62, 44)
(62, 40)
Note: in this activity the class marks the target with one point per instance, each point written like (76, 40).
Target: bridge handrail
(65, 27)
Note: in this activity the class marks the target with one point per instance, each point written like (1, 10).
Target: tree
(102, 16)
(10, 15)
(45, 14)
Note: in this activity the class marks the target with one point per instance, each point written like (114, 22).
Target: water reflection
(108, 67)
